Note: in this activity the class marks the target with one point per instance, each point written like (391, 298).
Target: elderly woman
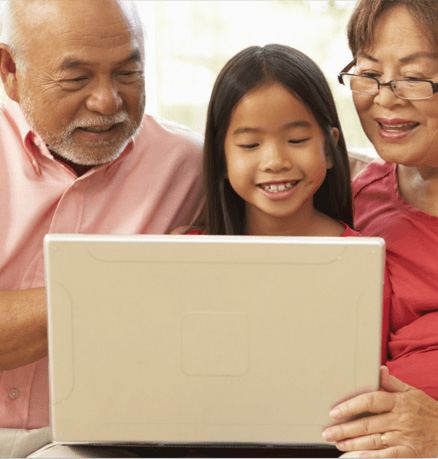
(394, 80)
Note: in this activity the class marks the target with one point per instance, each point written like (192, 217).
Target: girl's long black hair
(224, 209)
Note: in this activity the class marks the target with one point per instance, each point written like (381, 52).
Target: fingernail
(328, 435)
(335, 413)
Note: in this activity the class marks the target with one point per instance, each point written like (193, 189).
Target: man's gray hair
(12, 34)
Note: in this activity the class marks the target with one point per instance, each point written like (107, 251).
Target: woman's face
(402, 131)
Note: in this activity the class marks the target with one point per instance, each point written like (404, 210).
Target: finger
(360, 427)
(366, 442)
(372, 402)
(390, 383)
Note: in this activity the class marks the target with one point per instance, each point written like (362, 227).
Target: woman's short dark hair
(362, 23)
(224, 211)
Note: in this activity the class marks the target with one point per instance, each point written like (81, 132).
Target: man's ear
(335, 137)
(8, 72)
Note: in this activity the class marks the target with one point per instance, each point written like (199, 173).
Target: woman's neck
(419, 187)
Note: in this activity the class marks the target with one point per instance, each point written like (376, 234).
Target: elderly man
(77, 155)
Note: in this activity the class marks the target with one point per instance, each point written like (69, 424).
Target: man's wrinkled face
(83, 89)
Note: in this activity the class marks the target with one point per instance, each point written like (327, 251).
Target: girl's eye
(299, 140)
(250, 145)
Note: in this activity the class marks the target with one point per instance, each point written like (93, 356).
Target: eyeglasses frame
(345, 70)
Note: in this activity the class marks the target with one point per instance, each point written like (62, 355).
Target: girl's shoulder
(195, 231)
(349, 232)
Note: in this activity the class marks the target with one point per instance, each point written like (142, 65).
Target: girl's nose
(275, 159)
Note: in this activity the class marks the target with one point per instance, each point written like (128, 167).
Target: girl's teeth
(277, 188)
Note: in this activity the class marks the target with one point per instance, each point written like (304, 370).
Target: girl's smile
(279, 190)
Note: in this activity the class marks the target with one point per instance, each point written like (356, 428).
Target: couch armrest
(359, 158)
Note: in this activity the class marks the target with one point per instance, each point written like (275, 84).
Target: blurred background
(189, 42)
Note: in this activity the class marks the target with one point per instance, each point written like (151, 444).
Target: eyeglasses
(404, 89)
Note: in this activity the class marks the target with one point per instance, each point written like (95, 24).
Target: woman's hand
(402, 422)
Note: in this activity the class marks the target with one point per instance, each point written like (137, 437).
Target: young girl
(275, 160)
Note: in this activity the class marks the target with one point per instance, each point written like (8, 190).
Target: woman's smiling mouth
(395, 129)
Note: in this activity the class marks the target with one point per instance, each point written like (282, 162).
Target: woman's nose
(386, 98)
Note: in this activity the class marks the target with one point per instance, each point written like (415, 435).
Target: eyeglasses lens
(405, 89)
(412, 89)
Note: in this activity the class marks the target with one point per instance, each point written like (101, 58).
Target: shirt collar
(34, 144)
(29, 139)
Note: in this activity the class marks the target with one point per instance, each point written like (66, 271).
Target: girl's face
(276, 159)
(402, 131)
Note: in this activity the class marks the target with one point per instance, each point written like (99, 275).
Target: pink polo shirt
(150, 188)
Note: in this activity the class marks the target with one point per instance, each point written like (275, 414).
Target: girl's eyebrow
(294, 124)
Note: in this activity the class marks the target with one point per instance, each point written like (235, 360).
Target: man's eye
(76, 80)
(74, 83)
(129, 76)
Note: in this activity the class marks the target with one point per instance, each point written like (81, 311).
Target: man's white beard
(93, 153)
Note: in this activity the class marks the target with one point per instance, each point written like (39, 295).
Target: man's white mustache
(99, 121)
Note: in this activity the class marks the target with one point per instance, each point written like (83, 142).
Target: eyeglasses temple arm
(345, 70)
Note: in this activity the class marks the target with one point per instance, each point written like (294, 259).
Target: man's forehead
(60, 25)
(37, 13)
(71, 62)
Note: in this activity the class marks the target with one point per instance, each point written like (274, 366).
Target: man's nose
(104, 99)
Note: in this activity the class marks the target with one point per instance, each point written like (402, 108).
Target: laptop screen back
(208, 339)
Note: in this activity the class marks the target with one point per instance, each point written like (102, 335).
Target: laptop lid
(208, 339)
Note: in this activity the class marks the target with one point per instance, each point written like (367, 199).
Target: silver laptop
(208, 339)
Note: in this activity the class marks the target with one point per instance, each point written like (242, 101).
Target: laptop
(192, 340)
